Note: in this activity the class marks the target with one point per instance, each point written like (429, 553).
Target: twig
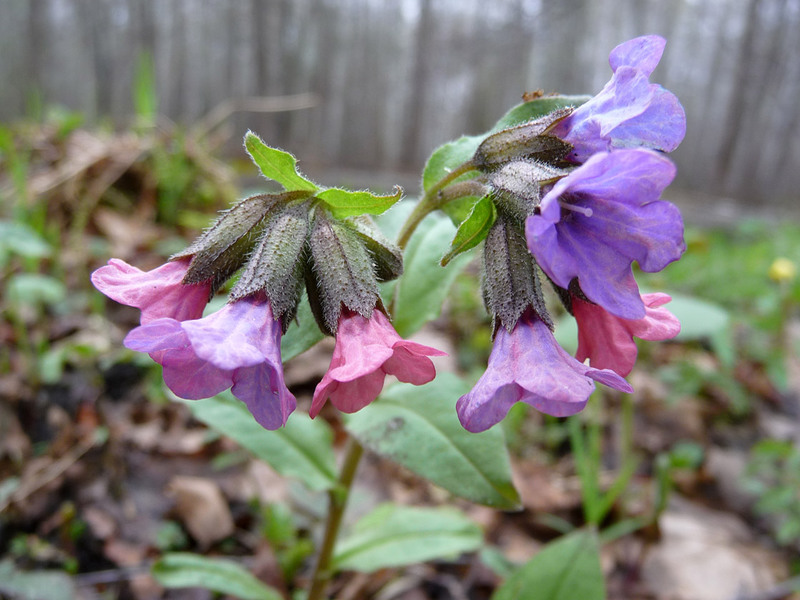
(226, 108)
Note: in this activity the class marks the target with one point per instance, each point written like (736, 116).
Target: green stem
(337, 501)
(430, 202)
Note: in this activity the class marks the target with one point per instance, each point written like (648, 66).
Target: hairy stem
(432, 200)
(337, 502)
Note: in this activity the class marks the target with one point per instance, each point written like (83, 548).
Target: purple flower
(157, 293)
(630, 111)
(239, 345)
(527, 365)
(607, 341)
(600, 218)
(366, 351)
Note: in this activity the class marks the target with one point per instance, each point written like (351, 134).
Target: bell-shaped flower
(527, 365)
(157, 293)
(607, 341)
(239, 346)
(630, 111)
(600, 218)
(366, 350)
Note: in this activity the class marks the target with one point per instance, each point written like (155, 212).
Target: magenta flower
(366, 351)
(607, 341)
(239, 346)
(527, 365)
(600, 218)
(157, 293)
(630, 111)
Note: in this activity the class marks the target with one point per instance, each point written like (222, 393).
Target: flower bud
(517, 186)
(387, 258)
(510, 281)
(275, 266)
(529, 140)
(223, 248)
(341, 272)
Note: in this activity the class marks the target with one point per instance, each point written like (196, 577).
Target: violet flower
(239, 346)
(600, 218)
(527, 365)
(366, 351)
(607, 341)
(157, 293)
(630, 111)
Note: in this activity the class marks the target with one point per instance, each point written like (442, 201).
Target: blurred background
(121, 124)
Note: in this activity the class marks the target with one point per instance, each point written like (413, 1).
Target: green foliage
(566, 569)
(448, 157)
(773, 476)
(472, 230)
(343, 203)
(182, 570)
(394, 536)
(302, 450)
(35, 585)
(417, 427)
(302, 333)
(419, 294)
(276, 164)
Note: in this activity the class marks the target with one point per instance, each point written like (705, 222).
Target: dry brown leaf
(201, 507)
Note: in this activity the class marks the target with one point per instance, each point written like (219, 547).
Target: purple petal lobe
(527, 365)
(600, 218)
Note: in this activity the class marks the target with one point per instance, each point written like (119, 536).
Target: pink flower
(157, 293)
(366, 351)
(239, 346)
(527, 365)
(607, 340)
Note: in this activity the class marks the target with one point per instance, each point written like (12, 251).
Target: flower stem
(430, 202)
(337, 501)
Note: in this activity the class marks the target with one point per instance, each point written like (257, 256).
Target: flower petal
(157, 293)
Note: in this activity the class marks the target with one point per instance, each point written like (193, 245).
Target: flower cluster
(281, 243)
(584, 185)
(572, 196)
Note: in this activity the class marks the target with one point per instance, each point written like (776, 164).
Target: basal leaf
(417, 427)
(276, 164)
(393, 536)
(302, 450)
(425, 284)
(472, 230)
(566, 569)
(343, 203)
(186, 570)
(36, 584)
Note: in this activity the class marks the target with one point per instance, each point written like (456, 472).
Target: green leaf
(472, 230)
(445, 159)
(302, 450)
(567, 569)
(34, 585)
(539, 107)
(419, 294)
(35, 288)
(699, 318)
(18, 238)
(276, 164)
(186, 570)
(302, 333)
(453, 154)
(343, 203)
(417, 427)
(393, 536)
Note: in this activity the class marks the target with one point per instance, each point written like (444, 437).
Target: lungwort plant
(563, 192)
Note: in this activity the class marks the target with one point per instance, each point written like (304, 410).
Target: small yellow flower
(782, 269)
